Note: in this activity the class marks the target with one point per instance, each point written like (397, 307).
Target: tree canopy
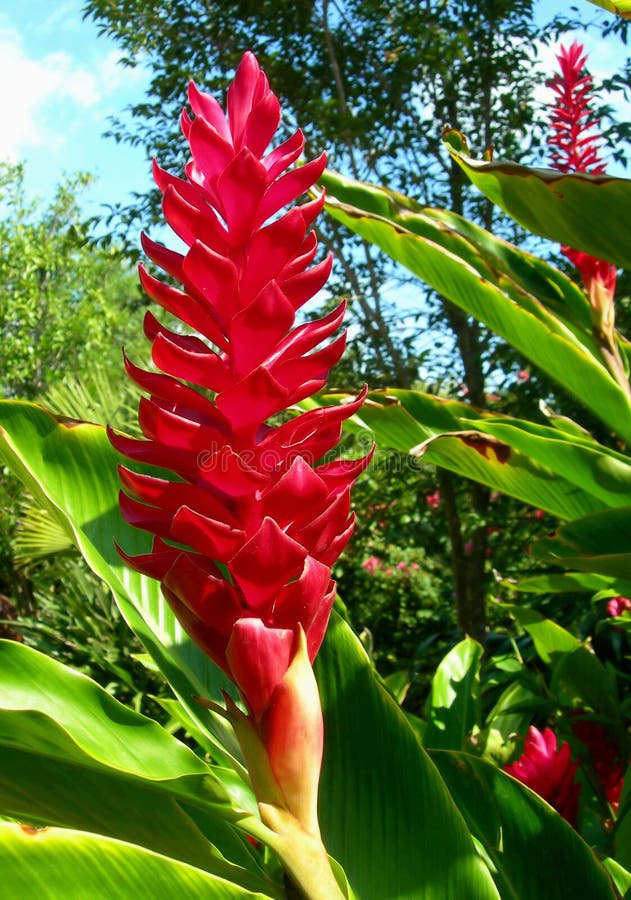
(63, 299)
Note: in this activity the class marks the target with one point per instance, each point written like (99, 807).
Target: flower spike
(574, 144)
(246, 531)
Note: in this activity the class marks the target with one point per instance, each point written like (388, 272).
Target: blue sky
(60, 82)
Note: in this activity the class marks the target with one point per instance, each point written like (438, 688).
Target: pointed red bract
(247, 529)
(548, 770)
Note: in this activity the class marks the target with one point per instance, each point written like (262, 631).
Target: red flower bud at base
(293, 734)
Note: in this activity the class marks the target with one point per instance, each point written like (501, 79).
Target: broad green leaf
(587, 212)
(596, 470)
(565, 582)
(623, 825)
(453, 705)
(398, 683)
(180, 714)
(384, 811)
(521, 299)
(576, 672)
(598, 543)
(493, 462)
(580, 675)
(620, 7)
(534, 851)
(375, 771)
(71, 755)
(565, 424)
(537, 464)
(551, 640)
(60, 864)
(71, 468)
(620, 876)
(512, 714)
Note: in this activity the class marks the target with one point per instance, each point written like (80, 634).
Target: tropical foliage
(281, 762)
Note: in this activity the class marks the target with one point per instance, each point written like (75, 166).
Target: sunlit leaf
(620, 7)
(587, 212)
(530, 304)
(597, 543)
(540, 465)
(533, 849)
(453, 705)
(60, 863)
(374, 768)
(71, 755)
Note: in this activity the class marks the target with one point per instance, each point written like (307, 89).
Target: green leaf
(551, 640)
(620, 7)
(60, 864)
(523, 300)
(535, 853)
(565, 476)
(71, 755)
(587, 212)
(512, 713)
(71, 469)
(566, 582)
(620, 876)
(453, 705)
(598, 471)
(577, 674)
(623, 825)
(598, 543)
(580, 676)
(398, 683)
(374, 768)
(39, 534)
(384, 812)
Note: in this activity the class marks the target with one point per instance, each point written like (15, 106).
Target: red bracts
(247, 529)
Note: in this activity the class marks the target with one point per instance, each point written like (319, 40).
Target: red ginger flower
(548, 771)
(574, 148)
(617, 606)
(246, 535)
(609, 767)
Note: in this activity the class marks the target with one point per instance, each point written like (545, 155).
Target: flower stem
(303, 855)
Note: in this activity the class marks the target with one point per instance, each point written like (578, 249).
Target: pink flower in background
(247, 530)
(433, 500)
(549, 771)
(523, 375)
(617, 606)
(372, 564)
(401, 566)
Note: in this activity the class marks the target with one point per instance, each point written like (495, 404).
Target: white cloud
(42, 101)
